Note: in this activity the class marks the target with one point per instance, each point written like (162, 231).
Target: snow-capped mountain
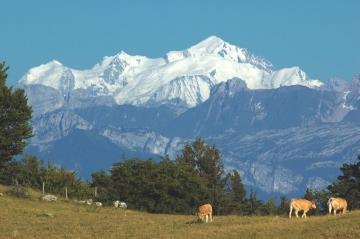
(180, 77)
(282, 130)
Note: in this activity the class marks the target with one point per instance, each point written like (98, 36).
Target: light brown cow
(336, 204)
(205, 211)
(301, 205)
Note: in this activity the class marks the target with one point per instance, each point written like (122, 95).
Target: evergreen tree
(164, 187)
(284, 206)
(15, 115)
(269, 208)
(205, 160)
(236, 193)
(309, 195)
(105, 191)
(348, 184)
(253, 204)
(321, 199)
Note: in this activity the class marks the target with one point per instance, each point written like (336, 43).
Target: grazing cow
(89, 201)
(49, 198)
(301, 205)
(120, 204)
(98, 204)
(205, 211)
(336, 204)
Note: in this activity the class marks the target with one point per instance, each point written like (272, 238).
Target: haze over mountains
(281, 129)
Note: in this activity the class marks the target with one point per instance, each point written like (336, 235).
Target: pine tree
(348, 184)
(205, 160)
(15, 115)
(309, 195)
(253, 204)
(284, 206)
(236, 193)
(269, 208)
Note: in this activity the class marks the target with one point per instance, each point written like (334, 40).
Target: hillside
(31, 218)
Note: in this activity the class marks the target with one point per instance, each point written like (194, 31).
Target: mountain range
(281, 129)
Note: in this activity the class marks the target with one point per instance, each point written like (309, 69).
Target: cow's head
(200, 216)
(313, 205)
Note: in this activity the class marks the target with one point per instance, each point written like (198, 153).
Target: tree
(236, 193)
(253, 205)
(309, 195)
(205, 160)
(163, 187)
(15, 115)
(269, 208)
(348, 184)
(105, 191)
(284, 206)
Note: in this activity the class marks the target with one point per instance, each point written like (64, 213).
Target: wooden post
(66, 196)
(43, 187)
(95, 192)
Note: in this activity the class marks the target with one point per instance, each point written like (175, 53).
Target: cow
(120, 204)
(336, 204)
(205, 211)
(49, 198)
(301, 205)
(89, 201)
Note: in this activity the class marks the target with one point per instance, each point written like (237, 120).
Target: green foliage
(309, 195)
(269, 208)
(15, 115)
(235, 194)
(18, 191)
(348, 184)
(164, 187)
(253, 205)
(31, 172)
(105, 190)
(321, 198)
(284, 206)
(205, 161)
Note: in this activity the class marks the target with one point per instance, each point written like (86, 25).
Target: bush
(18, 191)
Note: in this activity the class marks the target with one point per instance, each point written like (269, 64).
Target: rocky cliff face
(282, 130)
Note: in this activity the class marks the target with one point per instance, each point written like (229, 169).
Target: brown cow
(301, 205)
(337, 204)
(205, 211)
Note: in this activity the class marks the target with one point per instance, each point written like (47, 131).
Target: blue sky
(322, 37)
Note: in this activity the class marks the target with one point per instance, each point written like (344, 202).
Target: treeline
(195, 177)
(33, 173)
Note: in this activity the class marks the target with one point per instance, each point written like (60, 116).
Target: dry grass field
(32, 218)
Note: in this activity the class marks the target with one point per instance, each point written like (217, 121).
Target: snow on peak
(46, 74)
(216, 46)
(186, 76)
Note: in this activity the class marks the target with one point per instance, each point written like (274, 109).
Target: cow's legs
(330, 208)
(334, 211)
(210, 215)
(304, 214)
(296, 213)
(206, 218)
(344, 210)
(291, 208)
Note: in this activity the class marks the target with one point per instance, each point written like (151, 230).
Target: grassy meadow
(32, 218)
